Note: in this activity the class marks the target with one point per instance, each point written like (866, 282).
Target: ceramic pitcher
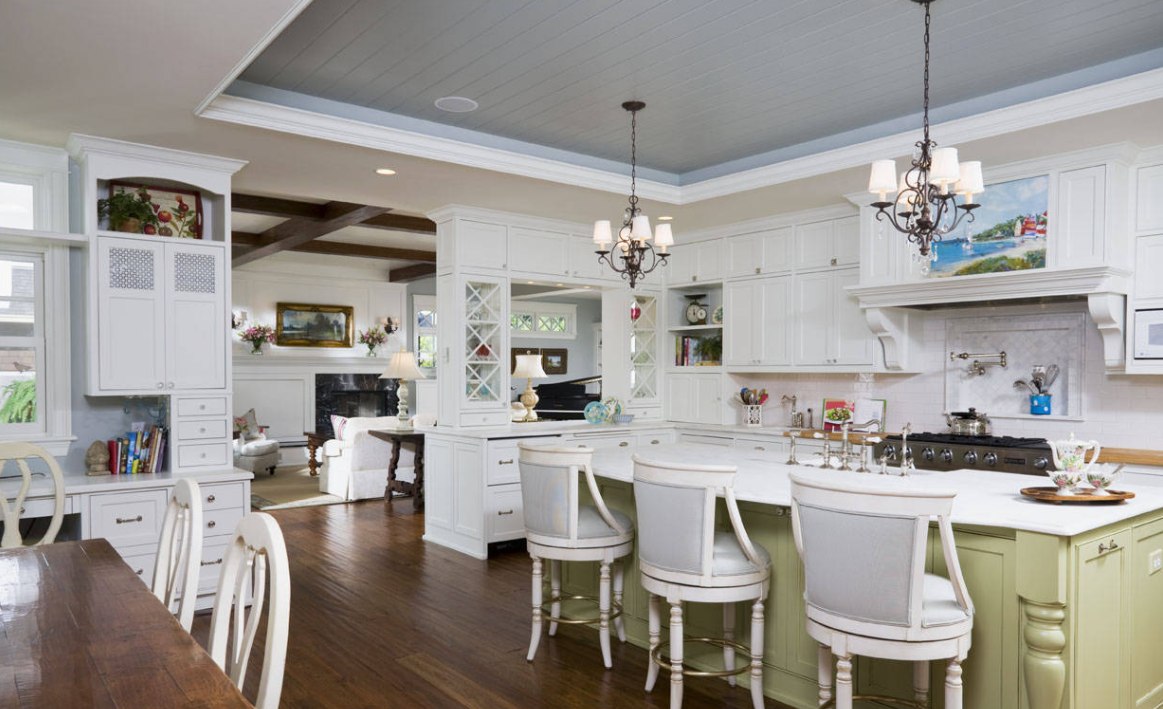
(1071, 455)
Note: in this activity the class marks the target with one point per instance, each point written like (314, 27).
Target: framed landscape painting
(301, 325)
(1008, 232)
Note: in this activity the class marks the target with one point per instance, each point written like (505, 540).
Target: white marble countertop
(548, 428)
(83, 484)
(983, 498)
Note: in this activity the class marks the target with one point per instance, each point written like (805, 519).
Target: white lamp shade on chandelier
(663, 237)
(883, 179)
(602, 232)
(640, 228)
(945, 170)
(971, 181)
(403, 366)
(529, 367)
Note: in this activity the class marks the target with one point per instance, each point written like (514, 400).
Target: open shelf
(695, 328)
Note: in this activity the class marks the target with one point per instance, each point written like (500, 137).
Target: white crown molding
(260, 114)
(776, 221)
(1106, 96)
(80, 146)
(460, 211)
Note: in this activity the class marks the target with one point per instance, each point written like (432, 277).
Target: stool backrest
(549, 489)
(10, 511)
(864, 547)
(179, 552)
(676, 515)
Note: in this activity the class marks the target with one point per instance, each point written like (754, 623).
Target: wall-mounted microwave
(1149, 334)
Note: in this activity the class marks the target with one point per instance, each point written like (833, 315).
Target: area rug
(290, 486)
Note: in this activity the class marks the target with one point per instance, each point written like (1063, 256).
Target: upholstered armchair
(355, 463)
(253, 451)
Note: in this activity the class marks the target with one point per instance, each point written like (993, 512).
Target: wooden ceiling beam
(300, 230)
(244, 241)
(293, 208)
(411, 273)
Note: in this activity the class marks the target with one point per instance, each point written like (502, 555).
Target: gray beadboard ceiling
(725, 81)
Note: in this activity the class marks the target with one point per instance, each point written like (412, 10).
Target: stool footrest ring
(891, 701)
(615, 610)
(656, 657)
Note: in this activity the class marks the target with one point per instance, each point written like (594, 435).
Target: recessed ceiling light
(665, 219)
(385, 171)
(559, 285)
(456, 104)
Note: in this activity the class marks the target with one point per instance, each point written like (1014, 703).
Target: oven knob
(890, 451)
(928, 454)
(947, 456)
(990, 459)
(1040, 462)
(970, 457)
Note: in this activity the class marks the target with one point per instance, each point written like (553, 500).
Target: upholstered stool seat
(684, 558)
(558, 528)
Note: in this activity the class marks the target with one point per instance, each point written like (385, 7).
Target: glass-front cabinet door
(485, 356)
(644, 349)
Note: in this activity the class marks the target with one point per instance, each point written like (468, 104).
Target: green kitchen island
(1068, 598)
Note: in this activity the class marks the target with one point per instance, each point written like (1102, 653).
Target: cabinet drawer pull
(833, 262)
(202, 407)
(655, 442)
(505, 462)
(139, 572)
(202, 429)
(1103, 548)
(212, 563)
(624, 444)
(760, 448)
(502, 513)
(211, 524)
(210, 498)
(127, 520)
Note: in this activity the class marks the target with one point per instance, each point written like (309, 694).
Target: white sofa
(356, 466)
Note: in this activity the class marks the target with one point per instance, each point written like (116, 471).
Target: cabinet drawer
(142, 564)
(43, 507)
(203, 455)
(501, 467)
(484, 418)
(216, 523)
(708, 440)
(128, 518)
(211, 567)
(503, 511)
(194, 430)
(223, 496)
(606, 441)
(208, 406)
(760, 446)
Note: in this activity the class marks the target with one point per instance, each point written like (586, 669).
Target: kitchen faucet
(846, 453)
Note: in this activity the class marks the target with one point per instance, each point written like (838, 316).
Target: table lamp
(403, 367)
(529, 366)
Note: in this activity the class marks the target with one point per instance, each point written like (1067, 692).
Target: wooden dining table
(79, 629)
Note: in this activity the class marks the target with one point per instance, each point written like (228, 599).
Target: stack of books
(139, 451)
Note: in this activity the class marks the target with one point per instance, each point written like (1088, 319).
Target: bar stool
(683, 558)
(559, 528)
(865, 585)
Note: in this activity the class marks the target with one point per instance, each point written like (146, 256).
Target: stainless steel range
(944, 451)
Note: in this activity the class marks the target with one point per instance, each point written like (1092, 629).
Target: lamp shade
(403, 366)
(529, 367)
(883, 177)
(663, 236)
(971, 181)
(944, 170)
(640, 228)
(602, 233)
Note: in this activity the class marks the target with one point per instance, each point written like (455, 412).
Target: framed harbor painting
(302, 325)
(1008, 232)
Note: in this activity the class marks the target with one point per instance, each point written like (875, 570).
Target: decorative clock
(696, 312)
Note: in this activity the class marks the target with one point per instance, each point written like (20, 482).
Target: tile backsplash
(1118, 410)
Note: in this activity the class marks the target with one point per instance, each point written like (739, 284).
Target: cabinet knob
(210, 498)
(203, 455)
(694, 278)
(211, 524)
(757, 270)
(202, 429)
(161, 385)
(169, 385)
(139, 572)
(833, 262)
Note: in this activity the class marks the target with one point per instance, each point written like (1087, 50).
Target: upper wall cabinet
(1149, 199)
(472, 244)
(538, 252)
(1081, 239)
(760, 253)
(828, 243)
(695, 263)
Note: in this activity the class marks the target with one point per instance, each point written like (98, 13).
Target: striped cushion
(338, 425)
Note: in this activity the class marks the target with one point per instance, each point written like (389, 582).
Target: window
(424, 306)
(17, 206)
(21, 342)
(530, 319)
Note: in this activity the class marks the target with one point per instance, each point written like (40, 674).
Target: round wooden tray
(1050, 494)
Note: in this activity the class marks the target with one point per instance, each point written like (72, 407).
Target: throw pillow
(338, 425)
(247, 425)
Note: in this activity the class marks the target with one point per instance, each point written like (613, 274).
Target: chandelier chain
(633, 164)
(926, 99)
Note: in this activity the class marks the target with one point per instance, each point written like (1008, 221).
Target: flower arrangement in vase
(373, 337)
(256, 335)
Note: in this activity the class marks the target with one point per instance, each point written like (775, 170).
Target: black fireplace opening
(352, 395)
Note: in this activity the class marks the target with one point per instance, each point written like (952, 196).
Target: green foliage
(1001, 230)
(20, 402)
(1036, 259)
(123, 206)
(710, 349)
(1001, 264)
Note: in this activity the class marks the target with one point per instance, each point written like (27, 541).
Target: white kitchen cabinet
(1082, 204)
(830, 327)
(538, 252)
(695, 263)
(757, 322)
(694, 397)
(1148, 263)
(828, 243)
(480, 245)
(161, 316)
(474, 351)
(758, 253)
(583, 260)
(1149, 199)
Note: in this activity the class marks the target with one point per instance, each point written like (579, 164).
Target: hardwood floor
(379, 618)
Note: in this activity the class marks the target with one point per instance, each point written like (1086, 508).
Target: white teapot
(1070, 455)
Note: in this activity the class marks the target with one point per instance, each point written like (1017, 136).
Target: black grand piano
(561, 401)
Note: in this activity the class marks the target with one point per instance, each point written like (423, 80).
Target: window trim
(424, 302)
(536, 309)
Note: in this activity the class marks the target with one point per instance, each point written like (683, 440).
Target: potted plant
(373, 337)
(128, 211)
(710, 350)
(256, 335)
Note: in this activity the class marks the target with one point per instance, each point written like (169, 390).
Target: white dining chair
(179, 552)
(865, 586)
(684, 557)
(11, 510)
(558, 528)
(256, 550)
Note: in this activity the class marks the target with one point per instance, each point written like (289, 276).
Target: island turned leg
(1045, 641)
(312, 448)
(418, 483)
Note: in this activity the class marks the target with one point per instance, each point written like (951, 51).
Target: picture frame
(179, 212)
(309, 325)
(836, 410)
(554, 360)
